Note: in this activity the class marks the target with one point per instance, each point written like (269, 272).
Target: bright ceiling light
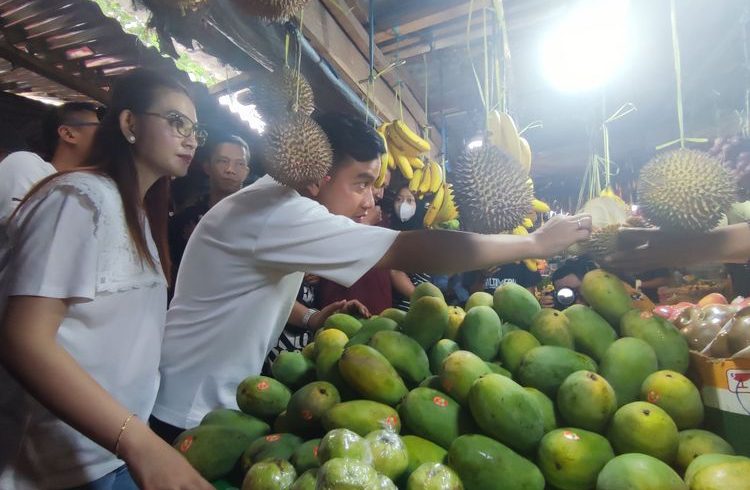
(589, 46)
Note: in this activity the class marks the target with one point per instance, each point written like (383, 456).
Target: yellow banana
(432, 212)
(436, 174)
(383, 170)
(416, 162)
(525, 154)
(410, 137)
(539, 206)
(503, 134)
(415, 180)
(531, 264)
(391, 162)
(520, 230)
(528, 224)
(424, 185)
(403, 165)
(448, 209)
(403, 147)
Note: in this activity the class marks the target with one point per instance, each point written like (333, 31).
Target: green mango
(587, 401)
(331, 338)
(346, 474)
(514, 346)
(521, 425)
(235, 419)
(341, 321)
(309, 351)
(213, 450)
(546, 367)
(483, 463)
(293, 369)
(343, 443)
(592, 334)
(270, 475)
(549, 420)
(270, 447)
(481, 332)
(281, 424)
(456, 316)
(438, 352)
(306, 481)
(515, 304)
(389, 454)
(509, 327)
(405, 355)
(571, 459)
(707, 460)
(550, 327)
(432, 382)
(607, 295)
(371, 327)
(459, 371)
(732, 475)
(370, 374)
(394, 314)
(421, 451)
(496, 368)
(305, 457)
(638, 472)
(327, 368)
(625, 365)
(477, 299)
(262, 397)
(693, 443)
(426, 289)
(677, 395)
(362, 417)
(670, 346)
(434, 476)
(426, 321)
(308, 404)
(435, 416)
(642, 427)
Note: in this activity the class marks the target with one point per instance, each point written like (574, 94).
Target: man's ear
(312, 190)
(65, 133)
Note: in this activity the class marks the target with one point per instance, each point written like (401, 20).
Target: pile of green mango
(500, 394)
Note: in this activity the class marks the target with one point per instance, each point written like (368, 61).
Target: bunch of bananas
(442, 208)
(427, 179)
(406, 149)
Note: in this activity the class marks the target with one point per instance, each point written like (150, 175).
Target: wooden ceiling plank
(426, 15)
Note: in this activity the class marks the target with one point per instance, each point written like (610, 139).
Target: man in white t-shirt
(68, 132)
(245, 261)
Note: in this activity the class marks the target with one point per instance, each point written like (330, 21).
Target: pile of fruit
(501, 394)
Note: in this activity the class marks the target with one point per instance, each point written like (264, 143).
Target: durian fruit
(685, 190)
(275, 94)
(297, 151)
(492, 190)
(602, 242)
(273, 10)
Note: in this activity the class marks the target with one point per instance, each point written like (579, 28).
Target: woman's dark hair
(351, 137)
(111, 155)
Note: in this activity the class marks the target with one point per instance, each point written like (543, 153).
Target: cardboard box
(725, 388)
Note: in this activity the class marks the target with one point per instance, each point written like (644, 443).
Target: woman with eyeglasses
(83, 298)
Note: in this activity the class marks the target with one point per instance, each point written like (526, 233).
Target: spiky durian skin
(685, 190)
(297, 151)
(602, 242)
(273, 10)
(275, 95)
(491, 189)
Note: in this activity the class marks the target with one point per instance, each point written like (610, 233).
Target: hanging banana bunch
(442, 212)
(407, 152)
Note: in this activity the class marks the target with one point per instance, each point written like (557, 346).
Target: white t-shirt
(70, 241)
(19, 171)
(237, 283)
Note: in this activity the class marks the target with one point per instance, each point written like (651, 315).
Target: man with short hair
(246, 259)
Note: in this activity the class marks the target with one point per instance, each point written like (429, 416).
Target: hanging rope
(746, 52)
(299, 57)
(500, 17)
(471, 58)
(623, 111)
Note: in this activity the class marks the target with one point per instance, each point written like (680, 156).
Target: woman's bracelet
(122, 431)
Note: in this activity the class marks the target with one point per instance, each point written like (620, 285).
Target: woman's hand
(559, 233)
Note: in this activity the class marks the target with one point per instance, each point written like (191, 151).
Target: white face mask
(406, 210)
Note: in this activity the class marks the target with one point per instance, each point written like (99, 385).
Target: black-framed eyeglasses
(81, 124)
(183, 125)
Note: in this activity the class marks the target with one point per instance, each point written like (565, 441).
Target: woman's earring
(131, 139)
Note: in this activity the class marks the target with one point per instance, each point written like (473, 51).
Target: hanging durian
(273, 10)
(685, 190)
(602, 242)
(492, 190)
(297, 151)
(276, 94)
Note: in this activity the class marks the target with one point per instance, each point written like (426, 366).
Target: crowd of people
(99, 372)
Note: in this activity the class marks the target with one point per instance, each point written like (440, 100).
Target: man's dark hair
(577, 266)
(351, 136)
(59, 116)
(215, 140)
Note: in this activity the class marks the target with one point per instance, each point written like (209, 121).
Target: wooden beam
(423, 15)
(30, 62)
(457, 26)
(342, 40)
(439, 44)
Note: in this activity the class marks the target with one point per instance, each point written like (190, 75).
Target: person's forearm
(450, 252)
(297, 315)
(402, 283)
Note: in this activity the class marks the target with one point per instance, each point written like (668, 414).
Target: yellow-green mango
(549, 421)
(306, 481)
(293, 369)
(305, 457)
(550, 327)
(270, 475)
(677, 395)
(341, 321)
(506, 412)
(435, 416)
(458, 373)
(587, 401)
(607, 295)
(327, 368)
(670, 346)
(546, 367)
(394, 314)
(513, 346)
(238, 420)
(426, 289)
(696, 442)
(638, 472)
(213, 450)
(571, 458)
(343, 443)
(421, 451)
(625, 365)
(405, 355)
(515, 304)
(432, 382)
(307, 406)
(483, 463)
(732, 475)
(362, 417)
(477, 299)
(370, 374)
(426, 321)
(592, 334)
(262, 397)
(270, 447)
(705, 460)
(346, 474)
(497, 368)
(642, 427)
(389, 454)
(481, 332)
(371, 327)
(438, 352)
(456, 316)
(434, 476)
